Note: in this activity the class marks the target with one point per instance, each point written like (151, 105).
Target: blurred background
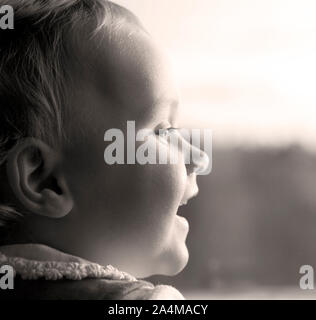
(247, 70)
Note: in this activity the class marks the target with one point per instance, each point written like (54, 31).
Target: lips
(189, 194)
(183, 203)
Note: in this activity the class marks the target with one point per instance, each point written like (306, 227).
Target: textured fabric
(59, 276)
(56, 270)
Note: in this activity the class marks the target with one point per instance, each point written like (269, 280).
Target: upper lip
(189, 195)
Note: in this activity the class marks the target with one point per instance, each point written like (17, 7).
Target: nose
(197, 161)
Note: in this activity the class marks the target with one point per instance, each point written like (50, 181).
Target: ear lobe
(36, 179)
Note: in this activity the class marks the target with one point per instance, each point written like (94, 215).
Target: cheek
(131, 208)
(144, 200)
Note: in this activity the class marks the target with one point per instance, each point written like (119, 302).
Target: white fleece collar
(35, 261)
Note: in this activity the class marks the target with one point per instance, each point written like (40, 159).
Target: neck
(16, 233)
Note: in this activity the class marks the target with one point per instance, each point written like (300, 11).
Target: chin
(179, 263)
(170, 264)
(173, 262)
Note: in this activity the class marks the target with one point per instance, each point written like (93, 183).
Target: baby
(69, 71)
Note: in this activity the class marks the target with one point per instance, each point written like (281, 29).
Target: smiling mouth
(183, 204)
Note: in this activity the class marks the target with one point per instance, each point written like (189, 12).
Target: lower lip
(184, 221)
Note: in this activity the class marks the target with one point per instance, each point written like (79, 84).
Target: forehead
(136, 72)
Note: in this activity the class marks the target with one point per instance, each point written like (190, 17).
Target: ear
(36, 179)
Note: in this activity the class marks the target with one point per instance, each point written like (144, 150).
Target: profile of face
(122, 214)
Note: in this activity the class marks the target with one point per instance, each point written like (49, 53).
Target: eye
(165, 133)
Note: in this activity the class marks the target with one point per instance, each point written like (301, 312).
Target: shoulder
(89, 289)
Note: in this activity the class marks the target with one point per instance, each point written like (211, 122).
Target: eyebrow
(170, 103)
(173, 102)
(173, 105)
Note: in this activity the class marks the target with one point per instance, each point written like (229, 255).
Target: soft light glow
(248, 67)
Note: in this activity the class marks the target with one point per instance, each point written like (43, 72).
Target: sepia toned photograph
(157, 150)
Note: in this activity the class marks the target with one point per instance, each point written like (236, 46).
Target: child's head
(70, 70)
